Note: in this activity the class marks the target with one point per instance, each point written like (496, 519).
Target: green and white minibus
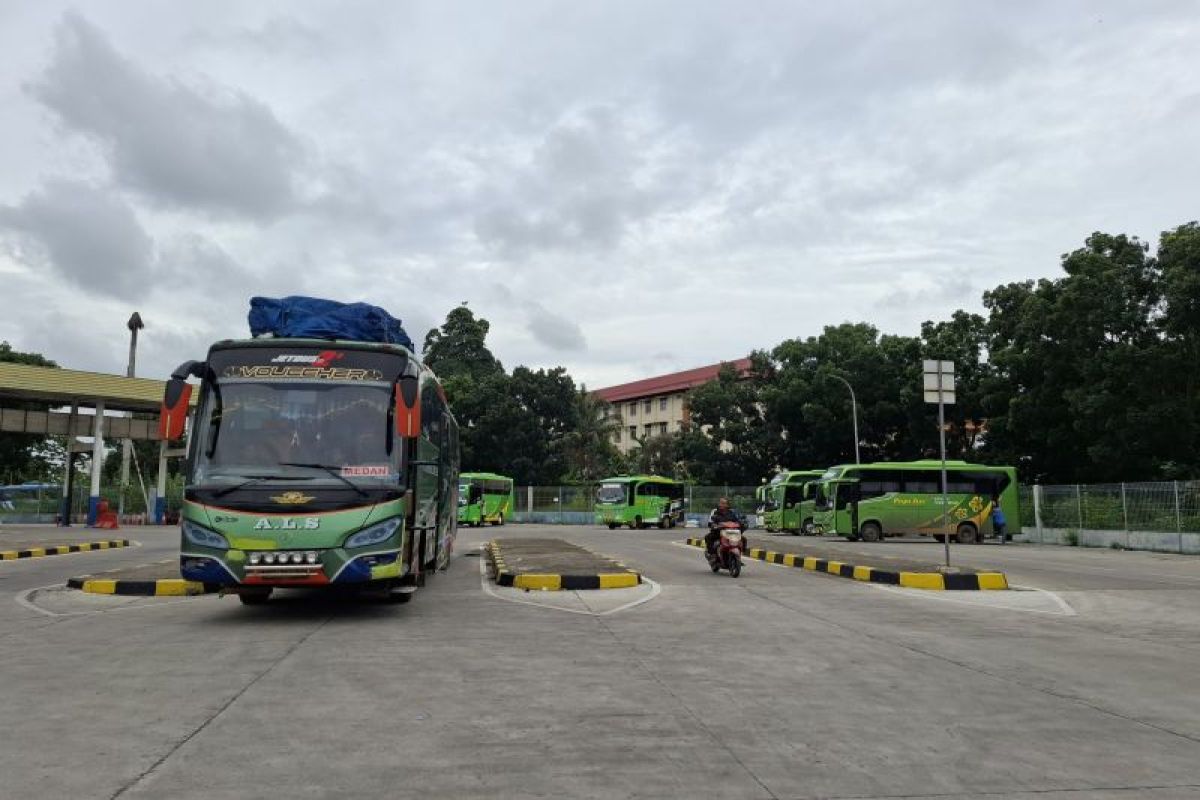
(484, 497)
(788, 501)
(873, 501)
(639, 501)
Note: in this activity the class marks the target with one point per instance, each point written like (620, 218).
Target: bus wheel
(871, 532)
(939, 538)
(662, 523)
(254, 597)
(671, 522)
(500, 520)
(808, 528)
(612, 526)
(967, 534)
(637, 524)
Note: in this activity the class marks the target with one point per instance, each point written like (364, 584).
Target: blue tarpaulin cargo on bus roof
(311, 317)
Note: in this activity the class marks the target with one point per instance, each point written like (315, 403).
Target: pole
(1125, 514)
(853, 415)
(1178, 518)
(1037, 511)
(942, 443)
(68, 483)
(135, 324)
(1079, 506)
(97, 463)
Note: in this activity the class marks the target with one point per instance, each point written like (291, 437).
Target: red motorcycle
(728, 554)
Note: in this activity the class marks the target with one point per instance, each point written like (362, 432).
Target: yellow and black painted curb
(552, 582)
(936, 581)
(167, 587)
(62, 549)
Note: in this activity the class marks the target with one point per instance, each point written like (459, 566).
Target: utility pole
(853, 414)
(135, 324)
(938, 387)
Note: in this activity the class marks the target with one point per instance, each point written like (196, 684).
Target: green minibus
(484, 497)
(874, 501)
(639, 501)
(788, 501)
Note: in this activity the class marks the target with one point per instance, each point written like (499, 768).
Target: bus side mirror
(408, 406)
(172, 414)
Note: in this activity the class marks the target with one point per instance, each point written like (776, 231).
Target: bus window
(847, 493)
(792, 495)
(922, 481)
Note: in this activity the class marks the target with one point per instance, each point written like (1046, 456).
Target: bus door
(849, 493)
(793, 495)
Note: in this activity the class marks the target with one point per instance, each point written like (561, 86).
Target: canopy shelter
(23, 383)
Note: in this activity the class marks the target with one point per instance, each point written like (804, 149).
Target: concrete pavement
(781, 683)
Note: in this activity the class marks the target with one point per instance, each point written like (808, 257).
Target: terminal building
(657, 406)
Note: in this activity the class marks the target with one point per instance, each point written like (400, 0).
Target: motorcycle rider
(722, 513)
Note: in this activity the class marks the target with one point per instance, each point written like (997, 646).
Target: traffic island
(909, 574)
(149, 580)
(15, 550)
(553, 565)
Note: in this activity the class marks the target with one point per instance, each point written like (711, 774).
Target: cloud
(86, 234)
(554, 330)
(219, 151)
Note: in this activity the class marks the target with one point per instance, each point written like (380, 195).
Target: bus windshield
(297, 430)
(611, 493)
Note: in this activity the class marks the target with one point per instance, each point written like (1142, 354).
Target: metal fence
(1160, 515)
(575, 505)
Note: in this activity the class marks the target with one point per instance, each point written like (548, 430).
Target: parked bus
(484, 497)
(639, 501)
(314, 463)
(788, 501)
(873, 501)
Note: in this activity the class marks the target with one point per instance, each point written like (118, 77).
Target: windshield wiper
(256, 479)
(334, 471)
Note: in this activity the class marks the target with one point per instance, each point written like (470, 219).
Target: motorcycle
(728, 554)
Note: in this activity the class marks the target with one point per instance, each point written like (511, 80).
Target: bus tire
(255, 597)
(871, 532)
(612, 526)
(662, 523)
(808, 528)
(637, 524)
(967, 534)
(500, 520)
(939, 538)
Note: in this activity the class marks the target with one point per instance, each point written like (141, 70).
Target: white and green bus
(639, 501)
(788, 500)
(874, 501)
(484, 497)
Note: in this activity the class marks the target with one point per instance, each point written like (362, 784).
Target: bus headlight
(202, 536)
(374, 534)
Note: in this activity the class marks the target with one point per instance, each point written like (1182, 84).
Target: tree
(458, 349)
(588, 448)
(22, 454)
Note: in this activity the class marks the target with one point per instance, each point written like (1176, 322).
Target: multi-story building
(656, 406)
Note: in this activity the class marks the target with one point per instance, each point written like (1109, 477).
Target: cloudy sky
(625, 188)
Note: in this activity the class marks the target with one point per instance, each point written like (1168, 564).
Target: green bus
(484, 497)
(787, 501)
(314, 463)
(639, 501)
(873, 501)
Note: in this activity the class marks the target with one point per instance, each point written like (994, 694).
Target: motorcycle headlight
(734, 537)
(202, 536)
(374, 534)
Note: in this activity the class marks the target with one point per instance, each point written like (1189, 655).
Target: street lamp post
(134, 324)
(853, 413)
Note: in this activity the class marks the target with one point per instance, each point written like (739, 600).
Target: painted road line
(62, 549)
(167, 587)
(934, 581)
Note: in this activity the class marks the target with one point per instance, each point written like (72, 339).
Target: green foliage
(21, 455)
(457, 349)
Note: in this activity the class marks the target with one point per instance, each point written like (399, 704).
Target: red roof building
(655, 406)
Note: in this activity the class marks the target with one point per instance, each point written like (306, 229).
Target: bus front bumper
(333, 566)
